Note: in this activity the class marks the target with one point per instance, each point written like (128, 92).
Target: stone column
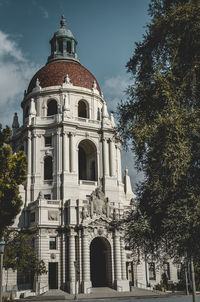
(73, 46)
(29, 153)
(117, 256)
(34, 150)
(123, 259)
(25, 146)
(112, 158)
(119, 164)
(105, 157)
(72, 258)
(58, 163)
(65, 152)
(85, 263)
(72, 152)
(37, 158)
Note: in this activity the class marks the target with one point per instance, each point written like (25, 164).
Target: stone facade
(74, 187)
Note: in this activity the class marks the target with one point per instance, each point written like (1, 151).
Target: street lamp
(2, 246)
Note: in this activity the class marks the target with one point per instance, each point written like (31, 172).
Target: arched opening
(83, 109)
(100, 262)
(87, 160)
(48, 168)
(52, 108)
(98, 114)
(69, 47)
(60, 43)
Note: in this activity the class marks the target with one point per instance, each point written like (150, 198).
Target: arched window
(26, 112)
(83, 109)
(60, 43)
(48, 168)
(87, 161)
(52, 108)
(69, 47)
(82, 163)
(98, 114)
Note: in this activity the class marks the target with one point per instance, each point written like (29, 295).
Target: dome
(64, 32)
(53, 74)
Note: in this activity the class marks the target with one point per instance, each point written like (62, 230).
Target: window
(152, 271)
(48, 141)
(48, 168)
(82, 109)
(47, 196)
(98, 115)
(166, 270)
(52, 108)
(52, 243)
(69, 46)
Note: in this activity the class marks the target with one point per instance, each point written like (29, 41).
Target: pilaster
(117, 256)
(72, 152)
(65, 152)
(58, 162)
(72, 258)
(86, 283)
(120, 281)
(112, 158)
(123, 259)
(105, 157)
(29, 168)
(119, 164)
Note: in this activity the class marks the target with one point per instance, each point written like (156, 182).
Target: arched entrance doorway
(100, 262)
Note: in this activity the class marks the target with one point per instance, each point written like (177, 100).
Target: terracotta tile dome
(54, 73)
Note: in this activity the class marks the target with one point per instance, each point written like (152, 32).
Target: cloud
(44, 12)
(9, 48)
(114, 90)
(42, 9)
(15, 73)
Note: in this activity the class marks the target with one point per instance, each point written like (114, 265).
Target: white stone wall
(63, 213)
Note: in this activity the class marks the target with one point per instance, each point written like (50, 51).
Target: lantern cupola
(63, 44)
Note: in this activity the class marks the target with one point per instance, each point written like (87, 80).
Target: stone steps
(96, 293)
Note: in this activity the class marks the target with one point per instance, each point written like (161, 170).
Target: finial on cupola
(63, 21)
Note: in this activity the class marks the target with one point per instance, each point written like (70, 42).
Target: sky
(106, 31)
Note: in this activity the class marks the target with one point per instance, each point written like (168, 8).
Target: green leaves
(12, 174)
(161, 118)
(20, 255)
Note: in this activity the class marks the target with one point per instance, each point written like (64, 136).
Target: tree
(20, 255)
(12, 174)
(161, 121)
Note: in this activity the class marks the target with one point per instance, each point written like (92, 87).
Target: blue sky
(106, 31)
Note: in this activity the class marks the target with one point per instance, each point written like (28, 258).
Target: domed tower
(74, 185)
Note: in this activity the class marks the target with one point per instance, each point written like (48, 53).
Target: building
(74, 187)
